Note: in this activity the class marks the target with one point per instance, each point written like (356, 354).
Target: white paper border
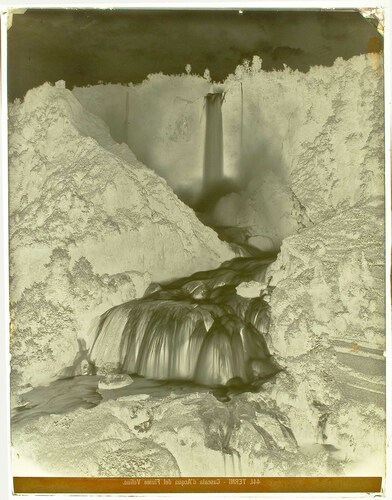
(5, 474)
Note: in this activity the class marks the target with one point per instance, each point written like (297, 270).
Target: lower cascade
(197, 329)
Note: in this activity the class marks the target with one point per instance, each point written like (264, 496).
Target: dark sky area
(83, 47)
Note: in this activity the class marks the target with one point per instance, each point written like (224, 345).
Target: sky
(84, 47)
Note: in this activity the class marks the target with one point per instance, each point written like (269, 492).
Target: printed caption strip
(198, 485)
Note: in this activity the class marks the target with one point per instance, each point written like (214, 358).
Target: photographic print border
(103, 485)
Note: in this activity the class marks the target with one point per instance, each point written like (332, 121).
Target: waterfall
(196, 329)
(242, 122)
(213, 150)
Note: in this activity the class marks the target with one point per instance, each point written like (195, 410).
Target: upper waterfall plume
(213, 150)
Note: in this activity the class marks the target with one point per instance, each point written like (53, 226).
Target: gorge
(251, 324)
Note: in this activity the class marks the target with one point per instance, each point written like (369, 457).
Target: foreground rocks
(288, 428)
(177, 434)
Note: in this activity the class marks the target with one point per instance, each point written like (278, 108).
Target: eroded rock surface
(328, 331)
(313, 144)
(188, 434)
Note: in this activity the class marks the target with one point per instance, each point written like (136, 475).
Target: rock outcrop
(313, 144)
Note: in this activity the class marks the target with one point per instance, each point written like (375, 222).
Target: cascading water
(196, 329)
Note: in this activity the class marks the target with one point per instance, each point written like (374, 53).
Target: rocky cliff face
(313, 144)
(162, 121)
(328, 330)
(90, 227)
(328, 305)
